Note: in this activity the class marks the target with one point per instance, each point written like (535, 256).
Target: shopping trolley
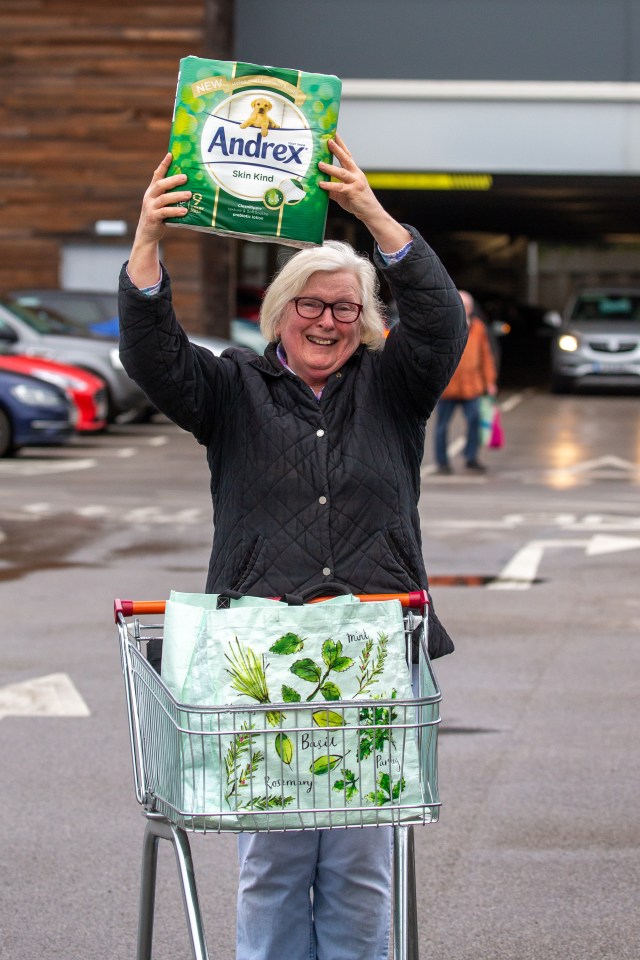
(171, 741)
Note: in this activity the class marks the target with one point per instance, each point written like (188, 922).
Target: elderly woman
(314, 451)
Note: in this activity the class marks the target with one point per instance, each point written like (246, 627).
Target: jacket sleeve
(186, 382)
(423, 349)
(489, 372)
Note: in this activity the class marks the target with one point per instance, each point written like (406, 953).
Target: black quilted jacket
(307, 492)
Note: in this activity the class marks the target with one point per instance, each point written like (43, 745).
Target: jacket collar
(269, 363)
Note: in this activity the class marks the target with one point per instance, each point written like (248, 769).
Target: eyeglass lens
(311, 308)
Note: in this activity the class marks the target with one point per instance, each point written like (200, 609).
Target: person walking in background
(474, 376)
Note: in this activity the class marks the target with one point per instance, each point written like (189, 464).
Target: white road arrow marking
(609, 544)
(606, 467)
(521, 570)
(50, 696)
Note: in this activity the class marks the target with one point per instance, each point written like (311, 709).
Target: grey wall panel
(445, 39)
(498, 137)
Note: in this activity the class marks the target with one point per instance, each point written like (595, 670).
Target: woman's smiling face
(317, 348)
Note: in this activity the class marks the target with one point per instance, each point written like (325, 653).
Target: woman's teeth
(321, 341)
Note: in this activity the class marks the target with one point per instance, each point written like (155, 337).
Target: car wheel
(560, 384)
(6, 436)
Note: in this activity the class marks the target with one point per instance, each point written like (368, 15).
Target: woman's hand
(157, 205)
(353, 193)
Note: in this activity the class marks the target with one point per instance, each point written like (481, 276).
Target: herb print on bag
(369, 729)
(317, 724)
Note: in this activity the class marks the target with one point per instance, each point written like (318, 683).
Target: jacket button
(319, 433)
(322, 500)
(326, 571)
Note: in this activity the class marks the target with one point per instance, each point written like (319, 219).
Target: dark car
(32, 413)
(521, 337)
(86, 391)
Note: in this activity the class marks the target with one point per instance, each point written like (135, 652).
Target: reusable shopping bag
(313, 711)
(496, 440)
(487, 411)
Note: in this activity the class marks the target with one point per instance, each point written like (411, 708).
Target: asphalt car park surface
(534, 571)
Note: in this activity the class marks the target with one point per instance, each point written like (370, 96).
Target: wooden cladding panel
(85, 115)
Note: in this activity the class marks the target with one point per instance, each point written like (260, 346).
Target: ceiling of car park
(488, 228)
(552, 208)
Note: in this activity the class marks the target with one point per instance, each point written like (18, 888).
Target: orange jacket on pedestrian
(476, 372)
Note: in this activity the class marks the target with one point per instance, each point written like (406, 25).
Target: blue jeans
(444, 412)
(315, 895)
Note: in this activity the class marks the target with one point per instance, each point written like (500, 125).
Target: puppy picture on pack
(259, 116)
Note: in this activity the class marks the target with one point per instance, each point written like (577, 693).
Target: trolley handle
(135, 608)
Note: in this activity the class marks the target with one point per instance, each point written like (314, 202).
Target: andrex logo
(259, 148)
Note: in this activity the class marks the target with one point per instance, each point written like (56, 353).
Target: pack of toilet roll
(249, 139)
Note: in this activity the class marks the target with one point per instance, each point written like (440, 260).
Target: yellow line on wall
(430, 181)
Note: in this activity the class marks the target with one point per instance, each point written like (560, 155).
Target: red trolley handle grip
(135, 608)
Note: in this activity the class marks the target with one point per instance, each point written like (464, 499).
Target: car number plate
(606, 368)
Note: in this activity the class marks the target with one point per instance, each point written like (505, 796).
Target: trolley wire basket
(197, 765)
(189, 762)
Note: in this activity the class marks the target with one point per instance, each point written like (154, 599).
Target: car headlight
(116, 362)
(568, 342)
(35, 396)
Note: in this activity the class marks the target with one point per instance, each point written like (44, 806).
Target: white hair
(293, 276)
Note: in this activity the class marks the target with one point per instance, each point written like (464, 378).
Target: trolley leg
(405, 914)
(158, 829)
(147, 891)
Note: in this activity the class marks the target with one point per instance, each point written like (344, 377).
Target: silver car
(97, 311)
(598, 340)
(46, 334)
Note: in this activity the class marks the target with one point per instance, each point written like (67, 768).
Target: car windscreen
(607, 307)
(47, 321)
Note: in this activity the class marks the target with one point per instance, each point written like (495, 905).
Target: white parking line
(160, 516)
(34, 468)
(67, 462)
(507, 405)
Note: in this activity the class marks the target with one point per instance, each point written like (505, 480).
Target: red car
(86, 391)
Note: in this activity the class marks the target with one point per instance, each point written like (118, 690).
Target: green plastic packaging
(249, 139)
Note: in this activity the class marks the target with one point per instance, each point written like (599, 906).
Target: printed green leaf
(385, 794)
(306, 669)
(284, 748)
(330, 692)
(289, 695)
(324, 763)
(331, 650)
(366, 747)
(398, 788)
(348, 786)
(342, 663)
(327, 718)
(266, 803)
(289, 643)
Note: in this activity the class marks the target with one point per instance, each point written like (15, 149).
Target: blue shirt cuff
(148, 291)
(390, 258)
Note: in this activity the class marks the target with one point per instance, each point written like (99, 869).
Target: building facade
(508, 132)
